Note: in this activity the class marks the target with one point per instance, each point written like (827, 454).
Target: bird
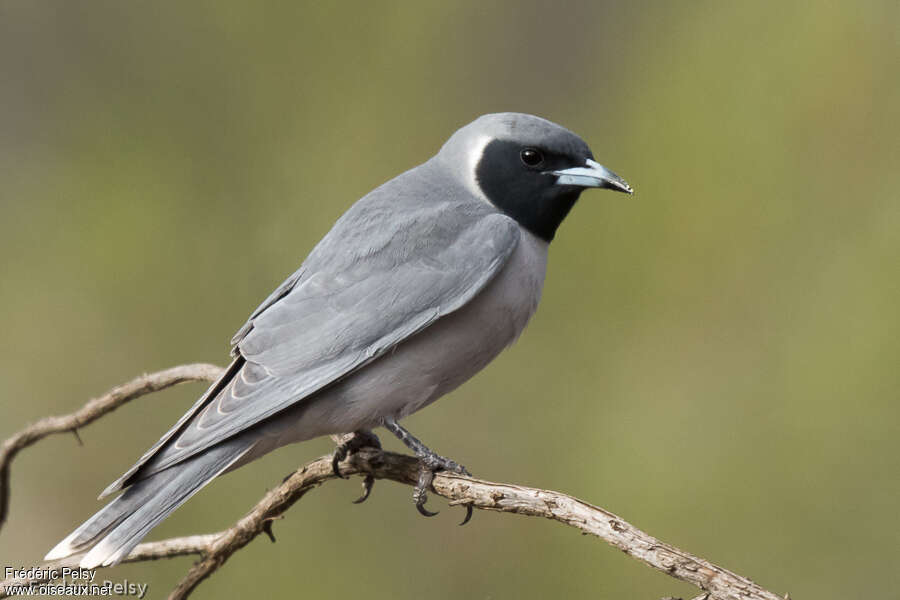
(416, 288)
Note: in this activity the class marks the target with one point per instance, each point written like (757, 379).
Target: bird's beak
(593, 174)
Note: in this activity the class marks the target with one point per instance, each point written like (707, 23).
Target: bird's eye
(531, 157)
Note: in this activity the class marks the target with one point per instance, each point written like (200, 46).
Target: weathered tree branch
(93, 410)
(216, 549)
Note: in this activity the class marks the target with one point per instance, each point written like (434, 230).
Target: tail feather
(136, 472)
(117, 528)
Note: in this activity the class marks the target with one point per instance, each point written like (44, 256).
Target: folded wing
(340, 311)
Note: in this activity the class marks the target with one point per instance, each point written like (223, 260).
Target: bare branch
(216, 549)
(93, 410)
(719, 582)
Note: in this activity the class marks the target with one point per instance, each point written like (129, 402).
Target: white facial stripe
(474, 154)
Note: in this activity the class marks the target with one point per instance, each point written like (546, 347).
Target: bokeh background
(715, 358)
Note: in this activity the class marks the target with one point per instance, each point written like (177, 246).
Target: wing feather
(337, 313)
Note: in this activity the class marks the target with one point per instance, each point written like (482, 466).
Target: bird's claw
(427, 467)
(361, 439)
(368, 482)
(340, 453)
(426, 476)
(429, 462)
(469, 511)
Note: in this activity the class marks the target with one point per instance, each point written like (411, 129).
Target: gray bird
(416, 288)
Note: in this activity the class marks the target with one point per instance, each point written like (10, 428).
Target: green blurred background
(715, 358)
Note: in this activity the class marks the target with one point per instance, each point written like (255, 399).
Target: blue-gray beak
(593, 174)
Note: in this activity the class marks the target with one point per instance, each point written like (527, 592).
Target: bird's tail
(116, 529)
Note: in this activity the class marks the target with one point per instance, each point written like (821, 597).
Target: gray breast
(431, 363)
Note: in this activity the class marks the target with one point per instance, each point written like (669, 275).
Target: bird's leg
(356, 441)
(429, 462)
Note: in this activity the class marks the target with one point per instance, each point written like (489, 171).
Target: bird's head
(530, 168)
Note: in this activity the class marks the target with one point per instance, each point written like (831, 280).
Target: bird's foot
(364, 438)
(429, 463)
(436, 462)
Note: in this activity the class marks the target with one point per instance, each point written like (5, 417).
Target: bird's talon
(335, 462)
(368, 482)
(420, 495)
(469, 511)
